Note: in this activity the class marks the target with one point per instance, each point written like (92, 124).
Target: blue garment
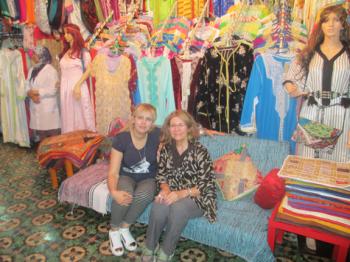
(156, 85)
(136, 95)
(138, 164)
(268, 110)
(221, 6)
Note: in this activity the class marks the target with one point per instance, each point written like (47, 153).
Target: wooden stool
(276, 230)
(53, 173)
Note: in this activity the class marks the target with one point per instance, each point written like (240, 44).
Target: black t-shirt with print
(138, 164)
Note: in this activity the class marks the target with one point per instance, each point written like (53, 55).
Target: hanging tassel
(345, 102)
(311, 101)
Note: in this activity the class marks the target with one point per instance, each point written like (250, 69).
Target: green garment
(4, 8)
(160, 9)
(99, 13)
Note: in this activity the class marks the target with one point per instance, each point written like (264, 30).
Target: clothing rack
(282, 29)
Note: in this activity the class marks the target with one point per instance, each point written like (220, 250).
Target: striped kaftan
(337, 70)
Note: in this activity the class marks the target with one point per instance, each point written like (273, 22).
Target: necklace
(144, 153)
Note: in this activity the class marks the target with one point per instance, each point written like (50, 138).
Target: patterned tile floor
(35, 227)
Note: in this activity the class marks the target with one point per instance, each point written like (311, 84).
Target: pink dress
(75, 114)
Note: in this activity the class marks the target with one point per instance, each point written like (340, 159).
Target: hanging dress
(268, 109)
(222, 85)
(112, 89)
(12, 94)
(156, 86)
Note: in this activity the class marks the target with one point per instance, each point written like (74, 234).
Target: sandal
(127, 239)
(162, 257)
(149, 255)
(115, 243)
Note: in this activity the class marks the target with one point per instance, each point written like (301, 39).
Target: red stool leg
(271, 236)
(342, 253)
(279, 237)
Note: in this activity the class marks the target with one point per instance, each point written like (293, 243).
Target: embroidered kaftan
(112, 90)
(156, 86)
(76, 114)
(12, 94)
(268, 109)
(221, 87)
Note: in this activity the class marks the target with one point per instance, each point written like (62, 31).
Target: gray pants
(143, 193)
(173, 219)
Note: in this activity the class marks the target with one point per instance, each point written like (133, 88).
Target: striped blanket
(88, 188)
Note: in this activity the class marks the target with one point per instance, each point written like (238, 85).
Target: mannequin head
(335, 15)
(73, 40)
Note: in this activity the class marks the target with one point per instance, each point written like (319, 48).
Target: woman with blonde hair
(131, 175)
(186, 182)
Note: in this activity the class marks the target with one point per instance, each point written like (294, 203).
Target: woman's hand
(77, 92)
(293, 90)
(172, 197)
(123, 198)
(162, 195)
(34, 95)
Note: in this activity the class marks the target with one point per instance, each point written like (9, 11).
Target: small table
(276, 230)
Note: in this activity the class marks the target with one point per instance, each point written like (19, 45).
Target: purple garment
(315, 207)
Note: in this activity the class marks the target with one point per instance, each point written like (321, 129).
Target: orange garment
(30, 12)
(190, 8)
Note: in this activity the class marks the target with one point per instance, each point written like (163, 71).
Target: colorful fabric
(317, 171)
(321, 220)
(78, 146)
(315, 134)
(236, 174)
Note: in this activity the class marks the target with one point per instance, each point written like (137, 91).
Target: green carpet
(35, 227)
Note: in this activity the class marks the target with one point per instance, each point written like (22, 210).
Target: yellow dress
(112, 90)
